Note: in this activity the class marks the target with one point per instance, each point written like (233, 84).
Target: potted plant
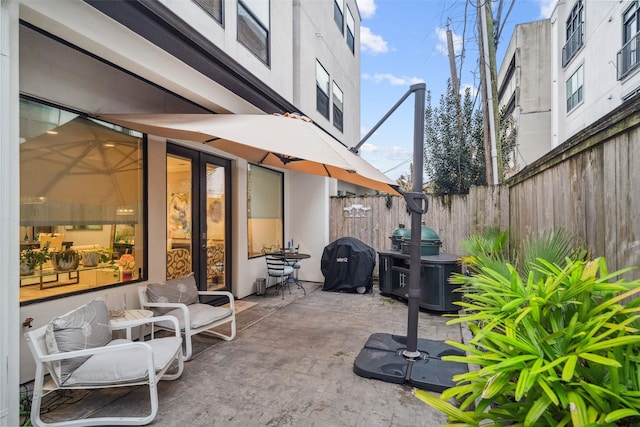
(92, 258)
(65, 260)
(554, 343)
(101, 258)
(31, 258)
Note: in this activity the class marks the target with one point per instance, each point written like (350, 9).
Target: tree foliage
(454, 144)
(453, 150)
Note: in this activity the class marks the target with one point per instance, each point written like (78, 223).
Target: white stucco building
(65, 62)
(561, 74)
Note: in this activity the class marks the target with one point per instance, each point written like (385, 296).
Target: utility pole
(491, 43)
(489, 93)
(452, 61)
(455, 85)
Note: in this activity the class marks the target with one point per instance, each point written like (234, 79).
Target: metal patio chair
(279, 273)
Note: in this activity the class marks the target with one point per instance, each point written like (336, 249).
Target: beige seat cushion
(199, 315)
(126, 365)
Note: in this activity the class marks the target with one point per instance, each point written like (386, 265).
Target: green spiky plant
(558, 346)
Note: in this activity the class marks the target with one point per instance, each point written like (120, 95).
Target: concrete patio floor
(291, 364)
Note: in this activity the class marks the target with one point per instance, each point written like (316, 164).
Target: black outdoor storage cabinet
(436, 293)
(347, 265)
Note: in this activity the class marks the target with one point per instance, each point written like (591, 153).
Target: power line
(404, 162)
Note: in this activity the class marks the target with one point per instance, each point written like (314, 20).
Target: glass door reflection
(179, 216)
(198, 218)
(215, 230)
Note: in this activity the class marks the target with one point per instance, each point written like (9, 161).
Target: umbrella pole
(398, 359)
(414, 201)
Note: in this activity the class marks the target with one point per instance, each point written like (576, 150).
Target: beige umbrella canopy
(287, 142)
(79, 173)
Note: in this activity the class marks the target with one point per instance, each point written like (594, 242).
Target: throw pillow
(85, 327)
(183, 290)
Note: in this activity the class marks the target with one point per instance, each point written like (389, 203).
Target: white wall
(306, 218)
(530, 84)
(602, 41)
(9, 214)
(87, 28)
(320, 38)
(278, 74)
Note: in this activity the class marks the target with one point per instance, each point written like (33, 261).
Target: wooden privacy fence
(589, 185)
(452, 217)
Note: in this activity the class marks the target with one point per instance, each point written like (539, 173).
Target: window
(265, 201)
(628, 55)
(212, 7)
(351, 25)
(337, 107)
(338, 14)
(253, 27)
(574, 89)
(81, 197)
(574, 33)
(322, 90)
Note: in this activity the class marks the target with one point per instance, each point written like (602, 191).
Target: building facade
(562, 74)
(524, 90)
(64, 63)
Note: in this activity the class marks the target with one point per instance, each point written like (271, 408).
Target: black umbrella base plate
(382, 359)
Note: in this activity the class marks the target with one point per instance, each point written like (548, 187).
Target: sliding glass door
(198, 217)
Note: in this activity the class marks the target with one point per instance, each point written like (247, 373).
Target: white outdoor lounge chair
(181, 298)
(77, 351)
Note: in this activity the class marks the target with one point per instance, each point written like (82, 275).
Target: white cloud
(391, 79)
(389, 153)
(441, 46)
(367, 8)
(546, 7)
(369, 148)
(372, 43)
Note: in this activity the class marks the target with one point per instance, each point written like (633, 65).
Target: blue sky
(403, 42)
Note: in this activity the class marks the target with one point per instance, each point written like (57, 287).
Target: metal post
(416, 224)
(417, 202)
(386, 116)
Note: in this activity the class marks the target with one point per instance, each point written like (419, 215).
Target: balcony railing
(628, 57)
(572, 46)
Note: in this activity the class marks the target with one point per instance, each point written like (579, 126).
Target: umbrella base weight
(382, 358)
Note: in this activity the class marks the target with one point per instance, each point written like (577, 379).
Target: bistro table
(292, 257)
(129, 315)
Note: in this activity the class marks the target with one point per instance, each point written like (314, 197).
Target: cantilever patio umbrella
(287, 142)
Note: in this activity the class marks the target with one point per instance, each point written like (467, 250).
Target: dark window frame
(574, 33)
(250, 215)
(322, 95)
(577, 94)
(143, 267)
(253, 24)
(629, 55)
(209, 8)
(351, 37)
(338, 15)
(338, 112)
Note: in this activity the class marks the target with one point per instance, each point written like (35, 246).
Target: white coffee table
(133, 314)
